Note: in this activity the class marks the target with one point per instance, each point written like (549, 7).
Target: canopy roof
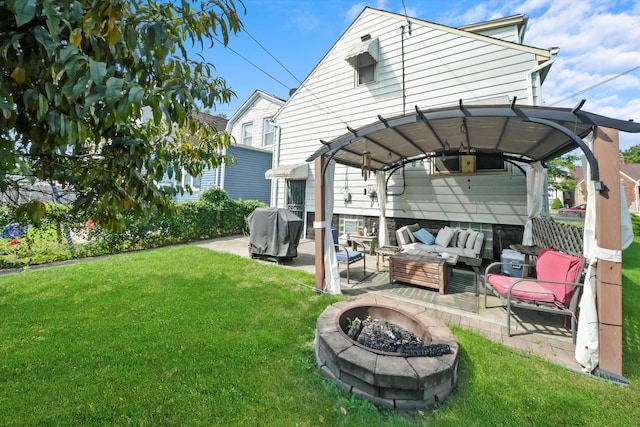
(517, 133)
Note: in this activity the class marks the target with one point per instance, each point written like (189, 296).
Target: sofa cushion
(424, 236)
(444, 236)
(403, 236)
(463, 235)
(471, 240)
(558, 267)
(529, 290)
(412, 229)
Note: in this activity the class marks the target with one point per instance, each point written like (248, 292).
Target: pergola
(518, 134)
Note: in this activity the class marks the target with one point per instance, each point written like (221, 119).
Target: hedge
(62, 235)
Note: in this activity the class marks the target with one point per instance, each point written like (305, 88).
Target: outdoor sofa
(466, 243)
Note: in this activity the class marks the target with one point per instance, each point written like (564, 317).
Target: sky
(599, 41)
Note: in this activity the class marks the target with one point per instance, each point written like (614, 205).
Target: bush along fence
(62, 235)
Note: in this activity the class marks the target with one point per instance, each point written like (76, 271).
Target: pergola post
(608, 236)
(318, 223)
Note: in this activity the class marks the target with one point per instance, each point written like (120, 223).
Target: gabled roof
(219, 123)
(542, 55)
(519, 21)
(246, 105)
(631, 171)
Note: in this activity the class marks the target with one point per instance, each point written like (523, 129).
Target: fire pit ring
(388, 380)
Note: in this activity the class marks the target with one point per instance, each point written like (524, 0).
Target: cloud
(598, 47)
(355, 10)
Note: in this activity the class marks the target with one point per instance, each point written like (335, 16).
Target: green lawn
(186, 336)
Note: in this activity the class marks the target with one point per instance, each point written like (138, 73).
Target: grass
(186, 336)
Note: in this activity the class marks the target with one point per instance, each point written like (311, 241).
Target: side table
(385, 251)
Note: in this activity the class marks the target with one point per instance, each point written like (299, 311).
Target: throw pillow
(463, 235)
(471, 240)
(444, 236)
(412, 229)
(424, 236)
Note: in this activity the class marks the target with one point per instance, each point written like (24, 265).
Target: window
(349, 224)
(468, 164)
(268, 131)
(366, 70)
(363, 57)
(192, 181)
(247, 133)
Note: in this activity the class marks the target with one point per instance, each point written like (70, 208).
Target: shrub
(556, 204)
(61, 235)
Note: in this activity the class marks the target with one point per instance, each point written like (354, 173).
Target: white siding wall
(440, 68)
(259, 110)
(509, 33)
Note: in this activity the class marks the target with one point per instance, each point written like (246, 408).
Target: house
(629, 176)
(386, 65)
(253, 134)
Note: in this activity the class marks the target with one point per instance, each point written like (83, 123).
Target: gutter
(537, 100)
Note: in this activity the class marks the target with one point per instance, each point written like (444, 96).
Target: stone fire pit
(389, 380)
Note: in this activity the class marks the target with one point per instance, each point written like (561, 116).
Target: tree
(559, 173)
(631, 155)
(75, 78)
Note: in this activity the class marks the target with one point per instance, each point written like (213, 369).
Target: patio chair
(556, 289)
(346, 256)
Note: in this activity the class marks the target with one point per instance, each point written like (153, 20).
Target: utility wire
(273, 57)
(324, 106)
(252, 63)
(595, 85)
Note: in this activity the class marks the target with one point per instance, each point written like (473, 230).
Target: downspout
(530, 94)
(276, 163)
(222, 171)
(404, 91)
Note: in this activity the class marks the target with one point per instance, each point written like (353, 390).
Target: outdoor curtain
(331, 271)
(381, 183)
(587, 340)
(536, 184)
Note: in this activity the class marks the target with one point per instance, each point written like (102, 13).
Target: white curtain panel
(535, 194)
(331, 272)
(587, 341)
(381, 183)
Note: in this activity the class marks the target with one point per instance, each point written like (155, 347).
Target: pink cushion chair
(554, 289)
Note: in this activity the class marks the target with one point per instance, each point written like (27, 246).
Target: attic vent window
(364, 59)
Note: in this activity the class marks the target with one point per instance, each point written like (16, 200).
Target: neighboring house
(253, 135)
(387, 64)
(42, 191)
(630, 177)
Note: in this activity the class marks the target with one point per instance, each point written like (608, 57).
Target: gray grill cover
(274, 232)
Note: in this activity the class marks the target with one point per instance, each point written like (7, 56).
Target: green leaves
(24, 10)
(78, 76)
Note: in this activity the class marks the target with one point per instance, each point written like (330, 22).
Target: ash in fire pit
(386, 336)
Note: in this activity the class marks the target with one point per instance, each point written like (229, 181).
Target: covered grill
(274, 234)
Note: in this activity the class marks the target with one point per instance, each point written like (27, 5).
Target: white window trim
(265, 125)
(357, 73)
(190, 180)
(244, 135)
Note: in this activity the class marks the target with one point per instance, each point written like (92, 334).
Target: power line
(273, 57)
(252, 63)
(595, 86)
(323, 105)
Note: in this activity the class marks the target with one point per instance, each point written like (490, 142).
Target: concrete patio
(540, 333)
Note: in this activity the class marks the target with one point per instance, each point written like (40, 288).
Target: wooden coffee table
(421, 269)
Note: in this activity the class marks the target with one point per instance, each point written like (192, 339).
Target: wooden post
(318, 222)
(609, 274)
